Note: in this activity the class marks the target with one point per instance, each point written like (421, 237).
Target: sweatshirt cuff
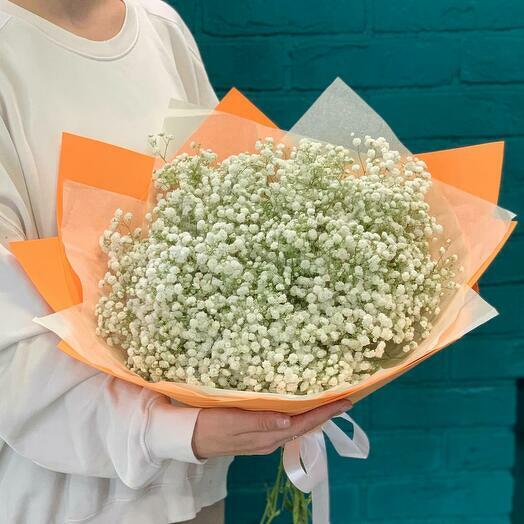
(170, 432)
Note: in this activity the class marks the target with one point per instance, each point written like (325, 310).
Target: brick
(361, 414)
(376, 62)
(245, 506)
(480, 449)
(424, 145)
(284, 110)
(432, 406)
(484, 358)
(260, 17)
(509, 301)
(265, 466)
(504, 269)
(452, 112)
(489, 493)
(344, 503)
(513, 160)
(445, 15)
(254, 65)
(434, 368)
(409, 451)
(512, 195)
(189, 10)
(498, 519)
(493, 59)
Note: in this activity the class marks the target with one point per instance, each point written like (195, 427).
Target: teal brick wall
(443, 73)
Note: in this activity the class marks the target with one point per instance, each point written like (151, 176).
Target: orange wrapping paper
(92, 170)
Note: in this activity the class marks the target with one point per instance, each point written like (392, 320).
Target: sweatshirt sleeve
(206, 96)
(16, 220)
(177, 40)
(70, 418)
(58, 412)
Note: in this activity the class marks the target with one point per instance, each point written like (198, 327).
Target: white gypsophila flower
(288, 270)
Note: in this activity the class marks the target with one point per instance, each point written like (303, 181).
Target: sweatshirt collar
(115, 47)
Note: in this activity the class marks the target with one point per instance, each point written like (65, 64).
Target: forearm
(69, 417)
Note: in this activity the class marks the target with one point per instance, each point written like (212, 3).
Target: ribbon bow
(305, 461)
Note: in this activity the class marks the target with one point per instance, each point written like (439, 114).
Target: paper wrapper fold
(96, 178)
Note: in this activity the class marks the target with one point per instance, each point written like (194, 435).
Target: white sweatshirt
(77, 445)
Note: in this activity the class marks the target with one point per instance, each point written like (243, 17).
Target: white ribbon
(305, 461)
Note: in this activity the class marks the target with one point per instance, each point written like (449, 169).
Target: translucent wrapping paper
(97, 178)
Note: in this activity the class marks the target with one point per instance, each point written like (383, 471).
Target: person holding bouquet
(77, 445)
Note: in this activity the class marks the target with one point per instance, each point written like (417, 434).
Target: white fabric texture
(77, 445)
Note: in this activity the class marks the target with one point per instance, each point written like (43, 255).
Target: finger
(265, 451)
(305, 422)
(300, 424)
(262, 451)
(256, 441)
(263, 421)
(252, 443)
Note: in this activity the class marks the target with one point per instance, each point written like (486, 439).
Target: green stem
(272, 509)
(282, 496)
(300, 504)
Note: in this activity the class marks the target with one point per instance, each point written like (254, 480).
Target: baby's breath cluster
(288, 270)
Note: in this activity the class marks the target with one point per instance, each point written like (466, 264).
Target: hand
(230, 431)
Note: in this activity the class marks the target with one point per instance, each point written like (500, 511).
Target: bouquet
(269, 270)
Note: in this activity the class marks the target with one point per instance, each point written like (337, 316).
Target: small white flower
(285, 270)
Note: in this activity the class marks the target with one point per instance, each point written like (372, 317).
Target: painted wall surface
(443, 73)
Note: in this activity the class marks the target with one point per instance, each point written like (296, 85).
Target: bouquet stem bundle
(285, 496)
